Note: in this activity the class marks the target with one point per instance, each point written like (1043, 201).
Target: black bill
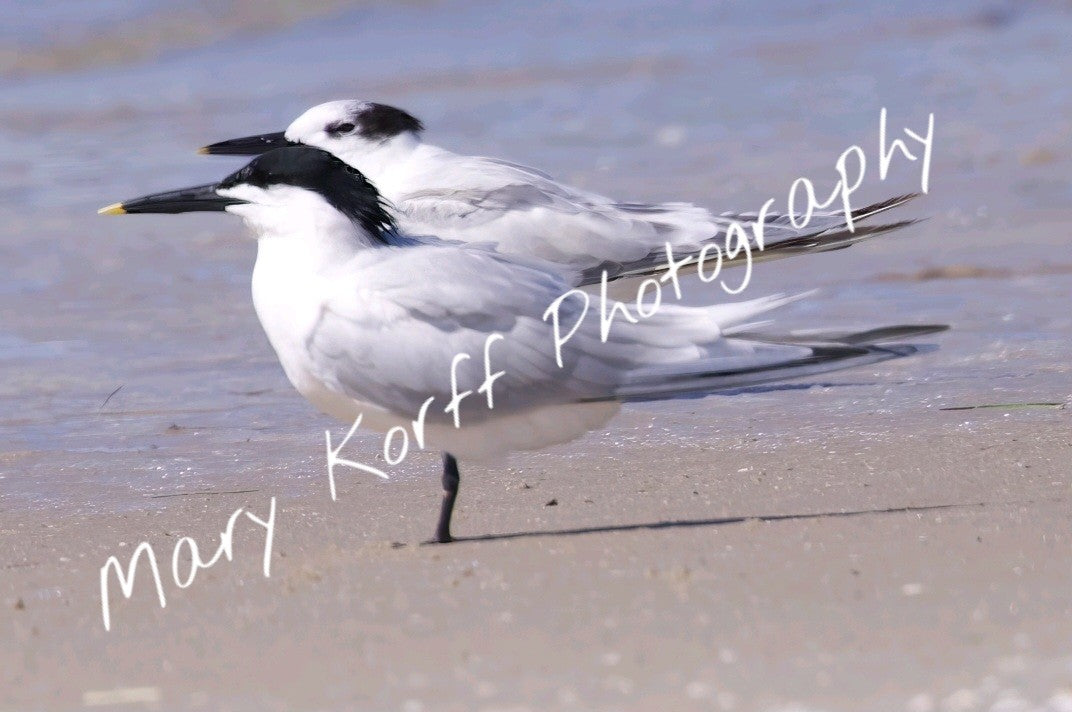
(200, 198)
(247, 145)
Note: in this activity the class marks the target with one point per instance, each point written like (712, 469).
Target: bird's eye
(339, 129)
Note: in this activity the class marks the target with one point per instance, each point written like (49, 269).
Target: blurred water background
(718, 103)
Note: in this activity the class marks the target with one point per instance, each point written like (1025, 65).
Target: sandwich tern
(369, 324)
(522, 211)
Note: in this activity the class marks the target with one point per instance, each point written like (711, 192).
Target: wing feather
(522, 211)
(389, 333)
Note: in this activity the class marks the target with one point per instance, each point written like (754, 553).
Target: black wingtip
(883, 205)
(854, 339)
(892, 333)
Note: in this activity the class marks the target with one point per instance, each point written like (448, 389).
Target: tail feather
(823, 220)
(824, 242)
(826, 232)
(870, 336)
(826, 351)
(882, 206)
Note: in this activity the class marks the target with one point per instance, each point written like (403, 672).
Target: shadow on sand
(714, 522)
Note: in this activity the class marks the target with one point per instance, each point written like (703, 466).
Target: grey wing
(826, 231)
(390, 336)
(523, 212)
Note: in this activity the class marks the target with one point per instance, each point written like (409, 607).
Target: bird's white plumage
(516, 209)
(372, 331)
(391, 329)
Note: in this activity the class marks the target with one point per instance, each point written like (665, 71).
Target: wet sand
(869, 540)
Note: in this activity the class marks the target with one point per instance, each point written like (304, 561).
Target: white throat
(300, 226)
(301, 241)
(381, 162)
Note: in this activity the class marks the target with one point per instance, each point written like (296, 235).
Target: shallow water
(722, 104)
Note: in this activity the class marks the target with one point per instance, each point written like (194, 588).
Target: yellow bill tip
(204, 151)
(113, 209)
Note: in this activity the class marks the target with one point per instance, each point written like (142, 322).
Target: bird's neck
(308, 239)
(292, 274)
(382, 161)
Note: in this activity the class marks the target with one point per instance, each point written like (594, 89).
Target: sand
(922, 565)
(896, 537)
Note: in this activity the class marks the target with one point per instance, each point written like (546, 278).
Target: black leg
(451, 477)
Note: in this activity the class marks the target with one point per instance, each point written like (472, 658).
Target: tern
(523, 211)
(369, 323)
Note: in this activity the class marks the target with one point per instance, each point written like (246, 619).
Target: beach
(892, 537)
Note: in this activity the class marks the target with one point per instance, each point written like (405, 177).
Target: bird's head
(349, 129)
(280, 189)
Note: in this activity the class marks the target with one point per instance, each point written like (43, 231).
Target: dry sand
(929, 563)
